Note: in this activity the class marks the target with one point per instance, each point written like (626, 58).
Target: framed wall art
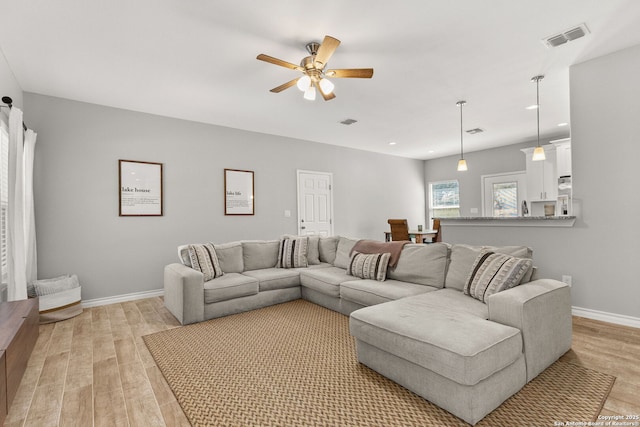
(140, 188)
(238, 192)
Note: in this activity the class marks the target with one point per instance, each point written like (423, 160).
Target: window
(503, 194)
(4, 196)
(505, 199)
(444, 199)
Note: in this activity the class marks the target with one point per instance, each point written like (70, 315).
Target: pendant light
(538, 153)
(462, 163)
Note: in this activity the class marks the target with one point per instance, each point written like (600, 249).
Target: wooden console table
(19, 329)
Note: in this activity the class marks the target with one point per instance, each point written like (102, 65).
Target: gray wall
(76, 190)
(9, 84)
(599, 252)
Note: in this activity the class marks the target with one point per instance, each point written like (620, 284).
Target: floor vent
(566, 36)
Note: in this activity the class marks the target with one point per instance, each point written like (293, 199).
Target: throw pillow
(293, 252)
(369, 266)
(204, 259)
(492, 273)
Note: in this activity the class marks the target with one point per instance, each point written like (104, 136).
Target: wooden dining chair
(399, 229)
(436, 227)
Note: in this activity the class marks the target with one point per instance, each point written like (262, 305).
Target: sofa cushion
(325, 280)
(314, 267)
(370, 292)
(204, 259)
(259, 254)
(313, 250)
(229, 286)
(343, 252)
(292, 252)
(327, 248)
(369, 266)
(454, 301)
(230, 257)
(459, 346)
(274, 278)
(422, 264)
(463, 256)
(493, 273)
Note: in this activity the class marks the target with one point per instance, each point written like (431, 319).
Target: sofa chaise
(422, 326)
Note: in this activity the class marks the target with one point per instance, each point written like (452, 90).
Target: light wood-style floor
(95, 370)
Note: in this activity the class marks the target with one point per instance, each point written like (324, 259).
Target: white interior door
(315, 203)
(502, 194)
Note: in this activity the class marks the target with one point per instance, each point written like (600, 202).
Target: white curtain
(21, 237)
(31, 264)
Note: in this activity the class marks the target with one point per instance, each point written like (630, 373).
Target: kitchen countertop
(512, 221)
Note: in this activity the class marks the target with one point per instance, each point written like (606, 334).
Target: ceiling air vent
(348, 121)
(566, 36)
(474, 131)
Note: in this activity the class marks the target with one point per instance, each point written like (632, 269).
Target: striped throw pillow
(293, 252)
(369, 266)
(492, 273)
(204, 259)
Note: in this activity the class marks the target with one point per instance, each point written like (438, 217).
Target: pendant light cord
(538, 104)
(461, 134)
(537, 80)
(460, 104)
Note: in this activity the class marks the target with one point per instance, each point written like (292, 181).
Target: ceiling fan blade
(280, 62)
(359, 73)
(326, 49)
(282, 87)
(327, 97)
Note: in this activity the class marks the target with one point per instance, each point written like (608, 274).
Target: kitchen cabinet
(563, 156)
(542, 175)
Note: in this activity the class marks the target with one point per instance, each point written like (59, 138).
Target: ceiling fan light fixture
(310, 93)
(314, 77)
(326, 86)
(304, 83)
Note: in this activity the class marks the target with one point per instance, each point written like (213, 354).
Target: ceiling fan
(313, 67)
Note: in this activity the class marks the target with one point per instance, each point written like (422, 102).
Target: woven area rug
(295, 364)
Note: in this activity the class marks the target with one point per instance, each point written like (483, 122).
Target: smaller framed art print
(140, 188)
(238, 192)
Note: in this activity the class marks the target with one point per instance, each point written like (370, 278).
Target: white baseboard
(619, 319)
(121, 298)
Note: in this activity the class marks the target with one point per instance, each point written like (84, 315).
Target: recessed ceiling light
(392, 143)
(532, 107)
(431, 151)
(563, 124)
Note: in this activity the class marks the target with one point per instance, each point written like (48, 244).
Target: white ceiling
(195, 60)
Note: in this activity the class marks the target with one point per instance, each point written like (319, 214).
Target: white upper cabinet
(563, 156)
(542, 175)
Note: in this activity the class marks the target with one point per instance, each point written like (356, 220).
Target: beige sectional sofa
(417, 327)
